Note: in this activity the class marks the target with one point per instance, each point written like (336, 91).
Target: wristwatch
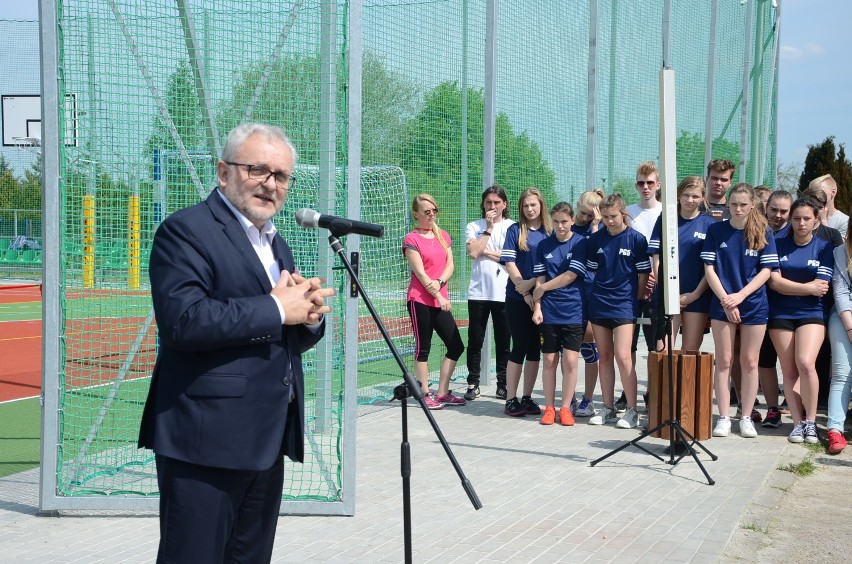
(441, 283)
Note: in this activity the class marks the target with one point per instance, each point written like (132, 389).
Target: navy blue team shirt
(524, 260)
(691, 234)
(617, 261)
(562, 306)
(806, 263)
(736, 265)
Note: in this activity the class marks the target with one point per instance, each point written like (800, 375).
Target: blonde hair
(756, 222)
(415, 207)
(815, 183)
(647, 169)
(523, 222)
(592, 198)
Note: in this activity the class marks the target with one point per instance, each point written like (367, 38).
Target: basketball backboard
(21, 116)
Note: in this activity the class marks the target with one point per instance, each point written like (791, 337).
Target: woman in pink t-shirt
(427, 249)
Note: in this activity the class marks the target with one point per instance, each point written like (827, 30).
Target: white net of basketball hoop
(29, 144)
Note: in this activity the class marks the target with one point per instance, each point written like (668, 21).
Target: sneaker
(621, 404)
(756, 417)
(723, 427)
(630, 419)
(836, 442)
(472, 393)
(811, 436)
(513, 408)
(797, 435)
(530, 406)
(603, 416)
(549, 417)
(783, 408)
(565, 417)
(501, 392)
(747, 429)
(773, 418)
(432, 402)
(573, 407)
(450, 400)
(586, 408)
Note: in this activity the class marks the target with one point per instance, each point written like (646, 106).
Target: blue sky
(815, 82)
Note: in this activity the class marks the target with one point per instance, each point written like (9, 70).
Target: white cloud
(814, 49)
(810, 50)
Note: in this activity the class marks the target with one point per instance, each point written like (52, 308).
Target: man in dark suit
(234, 317)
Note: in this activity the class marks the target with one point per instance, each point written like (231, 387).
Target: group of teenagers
(768, 270)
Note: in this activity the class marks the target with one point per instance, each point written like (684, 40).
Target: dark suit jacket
(225, 366)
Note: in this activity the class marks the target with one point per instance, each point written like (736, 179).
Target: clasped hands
(302, 298)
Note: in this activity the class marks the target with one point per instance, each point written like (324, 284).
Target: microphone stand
(679, 438)
(408, 387)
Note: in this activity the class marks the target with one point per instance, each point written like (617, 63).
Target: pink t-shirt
(434, 258)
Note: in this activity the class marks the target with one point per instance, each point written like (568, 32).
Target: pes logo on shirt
(814, 263)
(697, 235)
(750, 253)
(624, 252)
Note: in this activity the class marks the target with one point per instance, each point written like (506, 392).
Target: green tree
(9, 184)
(690, 153)
(28, 196)
(185, 111)
(826, 158)
(432, 151)
(290, 98)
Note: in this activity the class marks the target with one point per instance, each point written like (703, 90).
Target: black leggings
(425, 319)
(526, 336)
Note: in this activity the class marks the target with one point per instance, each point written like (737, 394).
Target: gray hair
(239, 134)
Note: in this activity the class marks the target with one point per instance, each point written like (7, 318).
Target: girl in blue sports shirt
(560, 268)
(619, 257)
(692, 226)
(738, 256)
(586, 222)
(518, 255)
(797, 314)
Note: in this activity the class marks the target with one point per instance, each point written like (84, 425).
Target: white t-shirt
(644, 219)
(488, 277)
(839, 221)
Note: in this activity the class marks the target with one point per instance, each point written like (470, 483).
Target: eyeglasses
(644, 182)
(261, 174)
(433, 211)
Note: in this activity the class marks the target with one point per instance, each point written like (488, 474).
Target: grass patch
(20, 439)
(753, 527)
(804, 468)
(816, 448)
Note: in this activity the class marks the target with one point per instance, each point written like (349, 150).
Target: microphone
(339, 226)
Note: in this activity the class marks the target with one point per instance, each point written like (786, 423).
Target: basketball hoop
(29, 144)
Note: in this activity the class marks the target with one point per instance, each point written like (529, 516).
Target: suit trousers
(215, 514)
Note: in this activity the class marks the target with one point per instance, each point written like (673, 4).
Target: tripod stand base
(687, 445)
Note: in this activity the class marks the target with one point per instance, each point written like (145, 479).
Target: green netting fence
(565, 92)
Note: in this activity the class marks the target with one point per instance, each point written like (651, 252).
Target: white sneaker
(723, 427)
(630, 419)
(797, 435)
(586, 408)
(810, 432)
(603, 416)
(747, 429)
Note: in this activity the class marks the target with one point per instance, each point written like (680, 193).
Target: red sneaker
(565, 417)
(549, 416)
(836, 442)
